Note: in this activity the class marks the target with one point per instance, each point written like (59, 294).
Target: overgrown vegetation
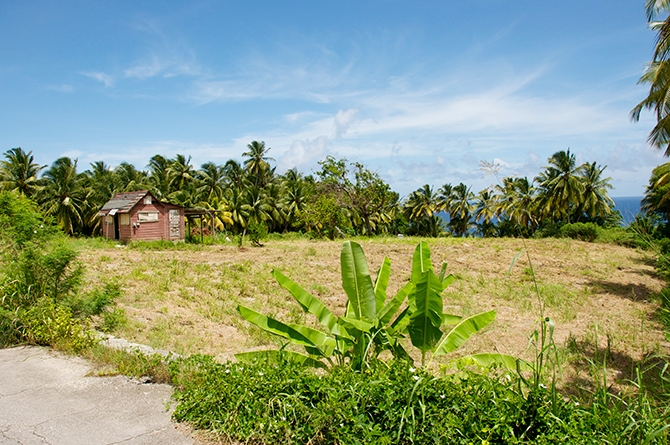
(40, 279)
(276, 398)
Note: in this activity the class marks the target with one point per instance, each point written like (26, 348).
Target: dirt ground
(597, 295)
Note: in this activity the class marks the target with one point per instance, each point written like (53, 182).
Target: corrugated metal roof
(123, 202)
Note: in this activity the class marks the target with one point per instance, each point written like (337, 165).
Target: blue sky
(420, 91)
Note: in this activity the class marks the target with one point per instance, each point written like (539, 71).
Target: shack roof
(123, 202)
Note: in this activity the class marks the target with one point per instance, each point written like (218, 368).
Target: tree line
(341, 198)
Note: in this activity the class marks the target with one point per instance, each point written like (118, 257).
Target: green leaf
(447, 281)
(308, 302)
(450, 319)
(356, 281)
(392, 306)
(506, 361)
(420, 261)
(273, 326)
(425, 321)
(381, 283)
(354, 323)
(463, 331)
(323, 342)
(274, 356)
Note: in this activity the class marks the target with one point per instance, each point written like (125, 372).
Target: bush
(40, 278)
(581, 231)
(393, 403)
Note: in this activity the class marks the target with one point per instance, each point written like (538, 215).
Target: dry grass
(185, 300)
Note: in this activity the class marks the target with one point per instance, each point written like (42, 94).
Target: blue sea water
(629, 206)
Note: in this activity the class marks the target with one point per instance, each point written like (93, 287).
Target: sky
(422, 92)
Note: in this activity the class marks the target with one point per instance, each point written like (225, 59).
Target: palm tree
(180, 172)
(560, 186)
(257, 161)
(460, 209)
(19, 172)
(657, 194)
(131, 179)
(63, 196)
(420, 208)
(595, 202)
(159, 176)
(211, 178)
(234, 175)
(485, 212)
(657, 75)
(520, 203)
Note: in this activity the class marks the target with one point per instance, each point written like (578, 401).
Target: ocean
(629, 206)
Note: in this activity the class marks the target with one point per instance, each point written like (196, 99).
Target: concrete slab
(47, 398)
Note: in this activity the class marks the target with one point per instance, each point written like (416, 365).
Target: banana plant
(427, 317)
(365, 329)
(371, 323)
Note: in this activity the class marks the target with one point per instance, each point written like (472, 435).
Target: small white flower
(442, 396)
(260, 373)
(412, 370)
(283, 418)
(341, 425)
(415, 377)
(227, 371)
(543, 386)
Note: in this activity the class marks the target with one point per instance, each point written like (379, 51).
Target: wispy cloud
(106, 79)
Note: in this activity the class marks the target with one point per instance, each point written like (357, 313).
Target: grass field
(183, 298)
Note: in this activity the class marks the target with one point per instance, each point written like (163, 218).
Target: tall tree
(19, 172)
(420, 209)
(257, 161)
(657, 76)
(595, 201)
(560, 186)
(63, 196)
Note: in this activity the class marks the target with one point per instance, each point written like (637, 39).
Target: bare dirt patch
(185, 300)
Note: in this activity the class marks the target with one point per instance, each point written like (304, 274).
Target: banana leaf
(392, 306)
(463, 331)
(356, 281)
(308, 302)
(421, 261)
(381, 283)
(425, 321)
(506, 361)
(273, 326)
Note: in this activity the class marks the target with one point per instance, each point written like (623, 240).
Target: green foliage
(580, 231)
(368, 326)
(40, 279)
(258, 231)
(393, 403)
(48, 323)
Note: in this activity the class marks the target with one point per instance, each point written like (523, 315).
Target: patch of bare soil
(596, 294)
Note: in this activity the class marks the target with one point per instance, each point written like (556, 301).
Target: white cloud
(343, 120)
(303, 154)
(106, 79)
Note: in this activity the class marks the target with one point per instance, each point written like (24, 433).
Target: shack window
(124, 219)
(147, 216)
(109, 219)
(147, 199)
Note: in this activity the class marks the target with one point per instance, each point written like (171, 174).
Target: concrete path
(47, 398)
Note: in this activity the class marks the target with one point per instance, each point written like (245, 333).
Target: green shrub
(580, 231)
(40, 275)
(393, 403)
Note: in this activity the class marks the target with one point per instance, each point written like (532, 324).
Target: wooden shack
(133, 216)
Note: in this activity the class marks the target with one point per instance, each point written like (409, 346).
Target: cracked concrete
(47, 398)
